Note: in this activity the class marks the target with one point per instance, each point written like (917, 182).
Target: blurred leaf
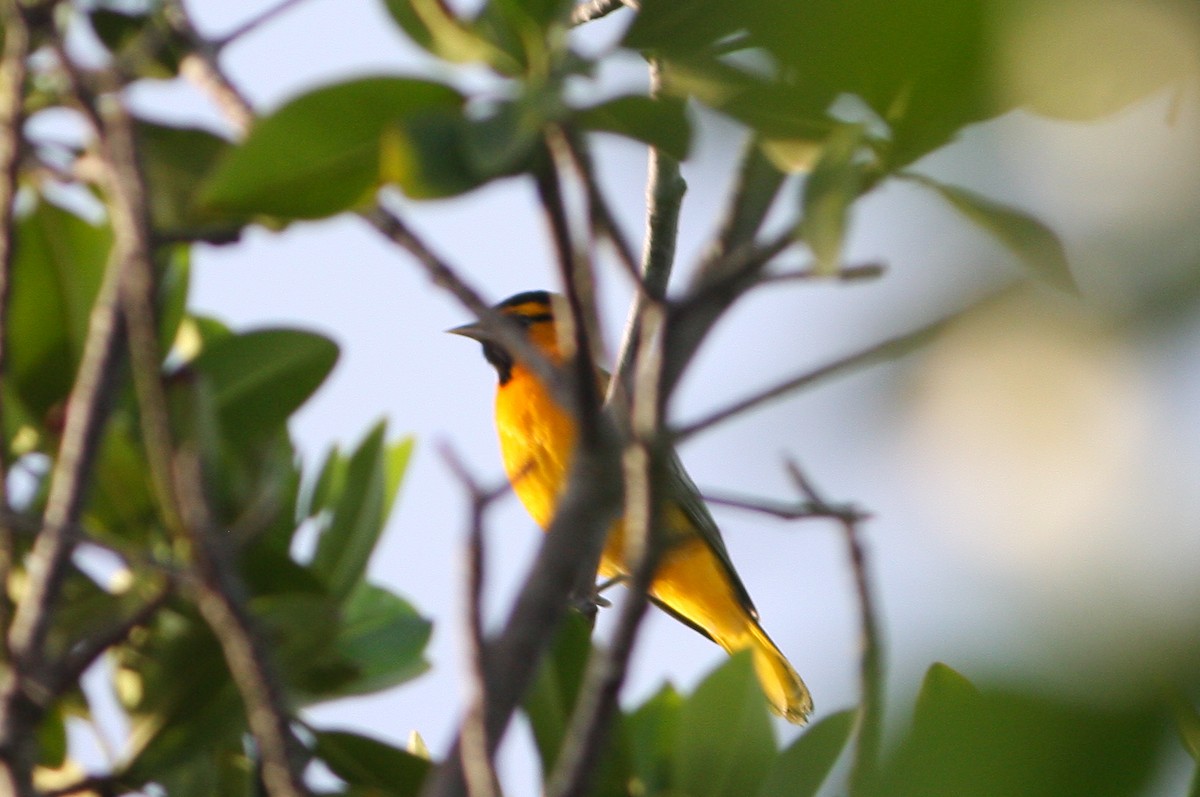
(373, 477)
(173, 683)
(800, 769)
(175, 161)
(382, 637)
(725, 744)
(56, 273)
(321, 493)
(504, 141)
(362, 761)
(994, 744)
(52, 739)
(301, 629)
(829, 192)
(660, 123)
(1035, 244)
(1187, 720)
(320, 153)
(551, 698)
(426, 155)
(652, 731)
(430, 25)
(121, 508)
(260, 378)
(773, 108)
(145, 43)
(174, 281)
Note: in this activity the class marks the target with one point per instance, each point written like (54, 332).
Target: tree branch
(592, 10)
(12, 120)
(644, 472)
(664, 199)
(85, 652)
(178, 479)
(254, 23)
(880, 352)
(220, 600)
(22, 701)
(478, 770)
(864, 766)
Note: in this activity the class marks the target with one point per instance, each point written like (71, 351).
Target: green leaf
(173, 683)
(1001, 743)
(52, 739)
(1187, 720)
(427, 155)
(300, 628)
(320, 153)
(173, 285)
(260, 378)
(373, 476)
(382, 637)
(726, 743)
(504, 141)
(175, 161)
(1035, 244)
(652, 731)
(363, 761)
(320, 493)
(146, 43)
(56, 273)
(551, 698)
(431, 26)
(829, 192)
(800, 770)
(660, 123)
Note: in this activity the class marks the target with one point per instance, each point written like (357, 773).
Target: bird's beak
(474, 330)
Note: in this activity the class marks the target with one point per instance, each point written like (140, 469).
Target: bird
(695, 580)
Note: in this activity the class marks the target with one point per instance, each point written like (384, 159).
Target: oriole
(695, 580)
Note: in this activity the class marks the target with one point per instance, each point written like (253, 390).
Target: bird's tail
(786, 693)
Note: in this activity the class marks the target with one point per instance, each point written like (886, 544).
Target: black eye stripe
(530, 320)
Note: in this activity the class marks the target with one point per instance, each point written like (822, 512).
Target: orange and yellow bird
(695, 580)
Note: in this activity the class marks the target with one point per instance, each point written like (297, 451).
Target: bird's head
(534, 314)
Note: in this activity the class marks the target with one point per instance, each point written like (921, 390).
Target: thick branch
(664, 199)
(179, 482)
(12, 120)
(645, 474)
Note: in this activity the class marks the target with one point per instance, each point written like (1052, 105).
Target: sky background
(1032, 476)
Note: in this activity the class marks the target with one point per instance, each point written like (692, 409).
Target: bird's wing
(684, 493)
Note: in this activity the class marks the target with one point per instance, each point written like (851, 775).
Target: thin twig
(85, 652)
(595, 9)
(880, 352)
(478, 767)
(784, 510)
(578, 279)
(603, 219)
(254, 23)
(202, 67)
(220, 600)
(864, 766)
(12, 120)
(856, 273)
